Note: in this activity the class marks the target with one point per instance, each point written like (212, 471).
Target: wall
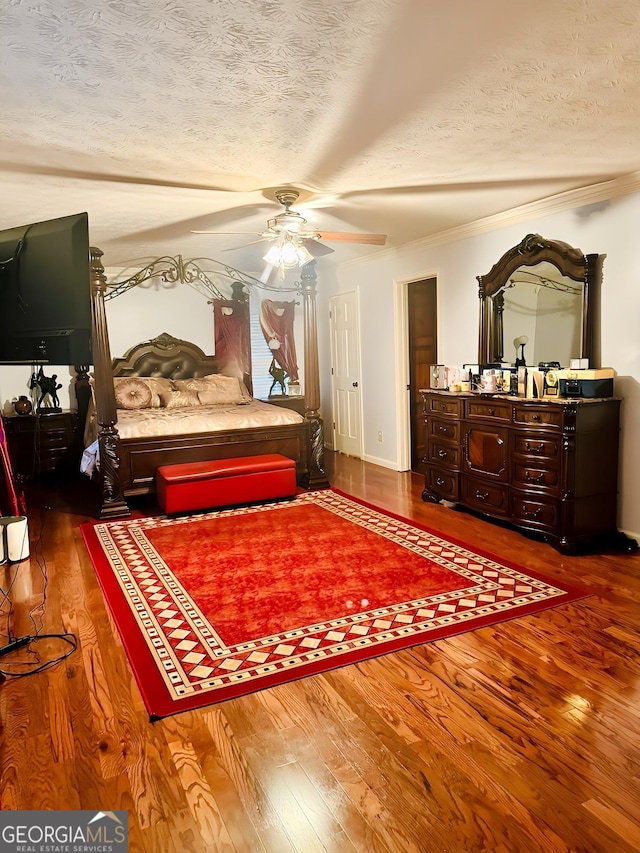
(137, 315)
(142, 313)
(604, 227)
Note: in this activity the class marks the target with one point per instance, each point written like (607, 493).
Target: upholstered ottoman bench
(224, 482)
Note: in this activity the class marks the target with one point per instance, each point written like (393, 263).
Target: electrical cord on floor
(39, 665)
(25, 667)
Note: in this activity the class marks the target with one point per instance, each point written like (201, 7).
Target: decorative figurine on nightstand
(279, 376)
(48, 402)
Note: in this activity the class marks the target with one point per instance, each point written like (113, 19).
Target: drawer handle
(442, 454)
(530, 479)
(442, 428)
(491, 411)
(533, 449)
(535, 417)
(528, 513)
(439, 481)
(482, 496)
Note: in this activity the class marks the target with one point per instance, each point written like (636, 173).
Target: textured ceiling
(406, 117)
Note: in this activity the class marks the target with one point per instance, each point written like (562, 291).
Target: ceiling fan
(294, 243)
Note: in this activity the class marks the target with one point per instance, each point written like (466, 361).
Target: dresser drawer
(549, 416)
(485, 497)
(51, 459)
(439, 404)
(492, 409)
(539, 513)
(527, 476)
(443, 430)
(54, 439)
(444, 485)
(537, 447)
(447, 455)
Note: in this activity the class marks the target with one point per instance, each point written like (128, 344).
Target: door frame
(334, 296)
(401, 337)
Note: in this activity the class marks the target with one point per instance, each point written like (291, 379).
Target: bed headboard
(165, 356)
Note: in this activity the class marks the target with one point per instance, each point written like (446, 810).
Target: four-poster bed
(127, 465)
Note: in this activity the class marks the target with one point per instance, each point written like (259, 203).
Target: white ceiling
(406, 117)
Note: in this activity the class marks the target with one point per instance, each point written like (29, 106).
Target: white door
(345, 374)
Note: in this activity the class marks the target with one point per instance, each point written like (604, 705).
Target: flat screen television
(45, 293)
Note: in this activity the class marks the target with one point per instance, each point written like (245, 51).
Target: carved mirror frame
(533, 250)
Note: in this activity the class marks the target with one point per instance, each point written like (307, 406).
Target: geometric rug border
(153, 673)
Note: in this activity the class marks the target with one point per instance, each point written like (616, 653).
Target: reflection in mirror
(547, 292)
(545, 308)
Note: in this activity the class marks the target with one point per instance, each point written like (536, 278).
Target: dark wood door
(423, 350)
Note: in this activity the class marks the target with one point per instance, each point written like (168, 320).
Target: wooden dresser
(545, 466)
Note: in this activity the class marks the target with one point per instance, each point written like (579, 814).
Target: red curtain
(276, 321)
(232, 337)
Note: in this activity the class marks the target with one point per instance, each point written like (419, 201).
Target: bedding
(186, 420)
(144, 423)
(185, 412)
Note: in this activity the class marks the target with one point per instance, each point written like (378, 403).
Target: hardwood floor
(522, 737)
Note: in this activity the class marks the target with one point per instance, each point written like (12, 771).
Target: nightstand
(295, 403)
(39, 443)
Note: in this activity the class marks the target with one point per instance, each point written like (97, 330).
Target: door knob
(355, 384)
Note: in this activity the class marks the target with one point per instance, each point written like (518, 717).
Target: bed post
(113, 504)
(316, 477)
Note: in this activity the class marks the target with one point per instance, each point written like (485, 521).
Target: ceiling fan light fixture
(289, 222)
(287, 254)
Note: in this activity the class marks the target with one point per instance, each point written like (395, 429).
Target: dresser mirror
(540, 303)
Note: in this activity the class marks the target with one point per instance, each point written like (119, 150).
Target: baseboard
(632, 535)
(383, 463)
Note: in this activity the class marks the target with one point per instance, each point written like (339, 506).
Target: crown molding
(603, 191)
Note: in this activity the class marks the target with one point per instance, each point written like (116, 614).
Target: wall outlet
(379, 435)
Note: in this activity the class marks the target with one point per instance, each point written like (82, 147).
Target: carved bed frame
(127, 466)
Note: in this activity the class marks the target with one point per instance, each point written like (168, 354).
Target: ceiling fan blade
(87, 175)
(466, 186)
(176, 230)
(229, 233)
(316, 249)
(415, 62)
(346, 237)
(268, 273)
(244, 245)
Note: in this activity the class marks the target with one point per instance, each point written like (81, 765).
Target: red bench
(224, 482)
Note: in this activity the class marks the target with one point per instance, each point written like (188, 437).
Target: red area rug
(217, 605)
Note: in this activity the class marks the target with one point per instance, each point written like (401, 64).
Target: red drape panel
(232, 337)
(11, 497)
(276, 321)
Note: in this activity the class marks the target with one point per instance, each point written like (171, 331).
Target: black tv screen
(45, 295)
